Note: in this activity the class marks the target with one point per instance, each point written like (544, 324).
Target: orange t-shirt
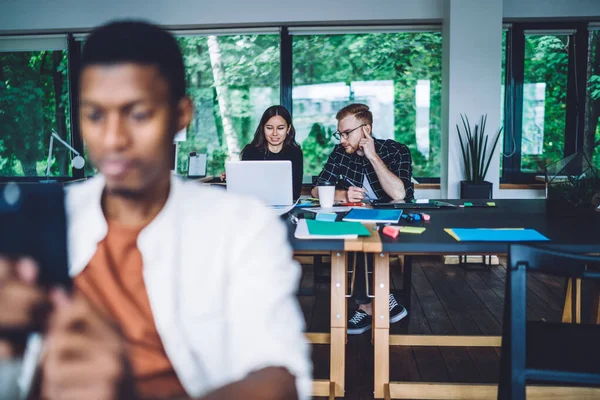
(114, 282)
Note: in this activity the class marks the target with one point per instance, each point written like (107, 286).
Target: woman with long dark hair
(275, 139)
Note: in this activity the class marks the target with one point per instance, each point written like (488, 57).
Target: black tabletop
(565, 233)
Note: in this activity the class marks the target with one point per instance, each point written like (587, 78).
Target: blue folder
(496, 235)
(373, 215)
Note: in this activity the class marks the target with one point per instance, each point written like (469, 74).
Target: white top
(370, 194)
(220, 278)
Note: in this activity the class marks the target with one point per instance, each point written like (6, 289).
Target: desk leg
(339, 321)
(381, 322)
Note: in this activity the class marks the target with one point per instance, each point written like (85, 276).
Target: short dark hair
(137, 42)
(360, 111)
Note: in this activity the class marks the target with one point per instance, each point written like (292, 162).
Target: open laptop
(269, 181)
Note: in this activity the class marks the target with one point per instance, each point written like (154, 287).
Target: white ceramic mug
(326, 195)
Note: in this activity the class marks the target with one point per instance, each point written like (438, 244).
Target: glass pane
(398, 75)
(232, 80)
(592, 125)
(544, 101)
(34, 101)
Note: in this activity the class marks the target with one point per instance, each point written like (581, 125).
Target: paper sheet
(197, 165)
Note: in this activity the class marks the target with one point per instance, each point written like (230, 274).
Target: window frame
(513, 98)
(287, 32)
(53, 42)
(512, 102)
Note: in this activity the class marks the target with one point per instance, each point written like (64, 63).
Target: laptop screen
(269, 181)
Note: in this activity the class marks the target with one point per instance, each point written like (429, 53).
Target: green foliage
(592, 134)
(403, 58)
(474, 147)
(546, 61)
(29, 109)
(30, 106)
(316, 148)
(250, 64)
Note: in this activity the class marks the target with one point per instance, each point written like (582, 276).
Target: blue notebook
(495, 235)
(370, 215)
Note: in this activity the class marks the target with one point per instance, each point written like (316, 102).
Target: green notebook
(332, 230)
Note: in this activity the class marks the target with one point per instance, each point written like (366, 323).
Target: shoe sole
(358, 331)
(398, 317)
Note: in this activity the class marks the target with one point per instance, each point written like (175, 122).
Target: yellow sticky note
(411, 229)
(450, 232)
(491, 203)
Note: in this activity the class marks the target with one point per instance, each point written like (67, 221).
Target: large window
(544, 100)
(232, 79)
(34, 102)
(551, 98)
(591, 144)
(397, 74)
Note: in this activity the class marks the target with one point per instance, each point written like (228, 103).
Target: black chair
(567, 354)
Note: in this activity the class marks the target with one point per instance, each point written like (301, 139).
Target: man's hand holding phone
(24, 306)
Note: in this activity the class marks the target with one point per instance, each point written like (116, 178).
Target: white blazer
(220, 278)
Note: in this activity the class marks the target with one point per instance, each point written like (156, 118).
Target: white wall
(520, 194)
(60, 15)
(77, 14)
(514, 9)
(427, 194)
(471, 71)
(501, 194)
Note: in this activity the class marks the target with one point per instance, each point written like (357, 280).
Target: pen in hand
(345, 179)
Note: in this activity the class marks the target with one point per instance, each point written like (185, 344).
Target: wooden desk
(338, 250)
(566, 234)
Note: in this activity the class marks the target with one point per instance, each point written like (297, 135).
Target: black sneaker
(397, 311)
(359, 323)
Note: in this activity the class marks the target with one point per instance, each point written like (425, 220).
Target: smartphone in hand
(33, 224)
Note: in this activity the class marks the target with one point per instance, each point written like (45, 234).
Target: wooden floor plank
(359, 366)
(320, 321)
(307, 304)
(452, 303)
(487, 362)
(460, 365)
(537, 308)
(416, 321)
(403, 366)
(551, 299)
(435, 313)
(482, 316)
(430, 364)
(320, 360)
(492, 300)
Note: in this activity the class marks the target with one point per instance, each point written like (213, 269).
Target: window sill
(427, 186)
(523, 186)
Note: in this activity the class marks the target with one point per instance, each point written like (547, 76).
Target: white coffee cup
(326, 195)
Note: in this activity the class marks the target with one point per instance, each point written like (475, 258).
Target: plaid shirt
(394, 155)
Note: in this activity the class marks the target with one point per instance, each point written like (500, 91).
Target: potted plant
(572, 187)
(476, 159)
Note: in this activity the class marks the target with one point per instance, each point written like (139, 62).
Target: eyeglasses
(338, 135)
